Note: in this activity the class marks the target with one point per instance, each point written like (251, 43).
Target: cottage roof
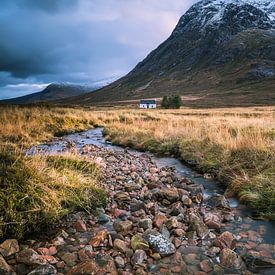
(147, 101)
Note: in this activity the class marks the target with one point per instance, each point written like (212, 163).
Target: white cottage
(148, 104)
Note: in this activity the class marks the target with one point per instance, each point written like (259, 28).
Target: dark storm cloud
(43, 41)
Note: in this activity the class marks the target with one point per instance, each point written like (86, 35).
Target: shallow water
(244, 222)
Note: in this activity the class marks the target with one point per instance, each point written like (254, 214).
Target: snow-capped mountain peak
(211, 13)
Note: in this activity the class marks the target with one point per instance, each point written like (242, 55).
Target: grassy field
(235, 145)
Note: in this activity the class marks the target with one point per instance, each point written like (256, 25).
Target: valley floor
(234, 145)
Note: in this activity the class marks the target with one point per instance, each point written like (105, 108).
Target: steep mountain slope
(52, 92)
(222, 52)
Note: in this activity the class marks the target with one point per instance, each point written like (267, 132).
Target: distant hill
(52, 93)
(221, 53)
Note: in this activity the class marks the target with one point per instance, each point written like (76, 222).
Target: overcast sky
(78, 41)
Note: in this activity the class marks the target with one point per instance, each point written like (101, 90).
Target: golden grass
(234, 144)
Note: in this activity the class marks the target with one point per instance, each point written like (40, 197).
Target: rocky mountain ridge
(220, 51)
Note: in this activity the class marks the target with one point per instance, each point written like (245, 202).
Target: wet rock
(103, 218)
(213, 221)
(196, 223)
(159, 220)
(225, 240)
(30, 257)
(9, 247)
(4, 267)
(159, 243)
(80, 226)
(119, 261)
(186, 200)
(137, 242)
(99, 238)
(218, 201)
(230, 259)
(69, 258)
(145, 224)
(44, 269)
(256, 262)
(206, 266)
(122, 227)
(121, 246)
(169, 194)
(139, 257)
(99, 265)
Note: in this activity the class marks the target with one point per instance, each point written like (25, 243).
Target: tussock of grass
(39, 190)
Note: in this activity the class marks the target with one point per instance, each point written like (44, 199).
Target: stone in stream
(44, 269)
(9, 247)
(230, 259)
(159, 243)
(256, 262)
(213, 221)
(100, 265)
(196, 224)
(4, 267)
(218, 201)
(225, 240)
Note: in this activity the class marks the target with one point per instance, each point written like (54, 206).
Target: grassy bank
(234, 145)
(38, 190)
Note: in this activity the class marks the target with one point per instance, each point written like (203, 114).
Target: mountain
(52, 93)
(221, 53)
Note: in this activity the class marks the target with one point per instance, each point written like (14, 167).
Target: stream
(244, 222)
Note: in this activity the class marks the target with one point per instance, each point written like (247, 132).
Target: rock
(99, 238)
(145, 224)
(159, 243)
(156, 256)
(99, 265)
(256, 262)
(186, 200)
(103, 218)
(196, 223)
(205, 266)
(137, 205)
(47, 251)
(122, 227)
(80, 226)
(137, 242)
(230, 259)
(159, 220)
(169, 194)
(179, 232)
(119, 261)
(69, 258)
(175, 209)
(218, 201)
(225, 240)
(4, 267)
(138, 257)
(30, 257)
(44, 269)
(9, 247)
(212, 221)
(121, 246)
(122, 197)
(172, 223)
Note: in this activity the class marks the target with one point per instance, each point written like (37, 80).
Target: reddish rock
(4, 267)
(9, 247)
(179, 232)
(123, 227)
(99, 238)
(212, 221)
(230, 259)
(159, 220)
(30, 257)
(99, 265)
(80, 226)
(205, 266)
(119, 213)
(50, 259)
(225, 240)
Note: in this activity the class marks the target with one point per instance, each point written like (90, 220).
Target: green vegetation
(37, 191)
(171, 102)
